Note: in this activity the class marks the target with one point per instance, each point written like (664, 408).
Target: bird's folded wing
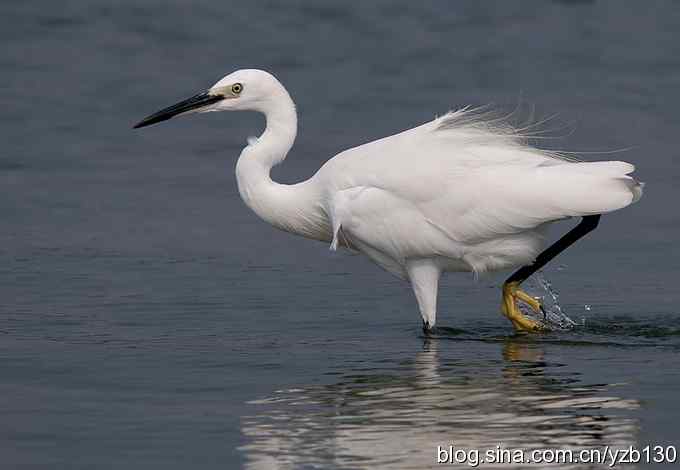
(485, 202)
(471, 180)
(508, 199)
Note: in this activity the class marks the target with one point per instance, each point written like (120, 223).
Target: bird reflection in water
(395, 415)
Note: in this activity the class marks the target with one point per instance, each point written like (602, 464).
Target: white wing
(460, 180)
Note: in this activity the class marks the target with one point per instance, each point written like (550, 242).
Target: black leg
(587, 225)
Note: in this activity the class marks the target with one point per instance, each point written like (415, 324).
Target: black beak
(195, 102)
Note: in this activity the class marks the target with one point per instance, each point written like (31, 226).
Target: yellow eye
(236, 88)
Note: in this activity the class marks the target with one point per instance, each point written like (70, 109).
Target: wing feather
(471, 179)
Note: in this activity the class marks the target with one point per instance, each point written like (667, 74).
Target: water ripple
(398, 419)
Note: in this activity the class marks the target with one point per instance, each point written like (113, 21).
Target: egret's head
(247, 89)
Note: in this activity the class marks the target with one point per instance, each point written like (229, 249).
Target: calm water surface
(148, 320)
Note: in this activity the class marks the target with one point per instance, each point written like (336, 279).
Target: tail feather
(588, 188)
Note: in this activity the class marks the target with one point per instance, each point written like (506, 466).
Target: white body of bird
(463, 192)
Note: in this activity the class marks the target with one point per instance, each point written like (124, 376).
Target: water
(552, 317)
(148, 320)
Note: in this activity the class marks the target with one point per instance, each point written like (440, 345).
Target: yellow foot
(511, 295)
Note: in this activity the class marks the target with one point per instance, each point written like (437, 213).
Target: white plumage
(464, 192)
(458, 190)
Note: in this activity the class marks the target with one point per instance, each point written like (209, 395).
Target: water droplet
(554, 315)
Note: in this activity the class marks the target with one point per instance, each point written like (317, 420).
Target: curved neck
(293, 208)
(280, 131)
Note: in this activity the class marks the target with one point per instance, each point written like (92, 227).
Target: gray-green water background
(148, 320)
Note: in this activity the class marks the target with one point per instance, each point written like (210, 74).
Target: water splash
(555, 318)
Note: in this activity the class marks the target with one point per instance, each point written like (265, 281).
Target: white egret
(460, 193)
